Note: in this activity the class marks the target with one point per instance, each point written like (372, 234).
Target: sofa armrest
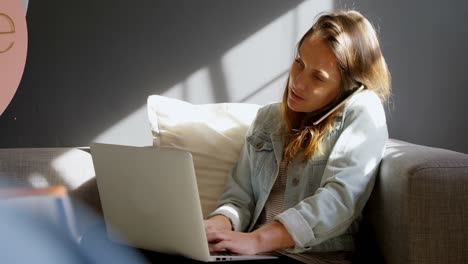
(43, 167)
(419, 207)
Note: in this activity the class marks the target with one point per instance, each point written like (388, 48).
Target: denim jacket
(324, 195)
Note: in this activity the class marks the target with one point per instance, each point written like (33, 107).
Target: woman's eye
(318, 78)
(298, 61)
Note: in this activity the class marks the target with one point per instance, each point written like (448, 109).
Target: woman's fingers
(241, 243)
(221, 246)
(216, 235)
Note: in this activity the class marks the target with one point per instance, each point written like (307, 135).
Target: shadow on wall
(91, 63)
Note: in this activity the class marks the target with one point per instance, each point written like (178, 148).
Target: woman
(302, 180)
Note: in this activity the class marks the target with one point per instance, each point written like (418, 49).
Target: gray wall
(91, 64)
(425, 44)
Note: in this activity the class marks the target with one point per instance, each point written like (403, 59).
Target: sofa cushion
(213, 133)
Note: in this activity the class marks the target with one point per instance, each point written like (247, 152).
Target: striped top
(275, 202)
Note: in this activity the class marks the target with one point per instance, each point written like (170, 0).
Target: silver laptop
(150, 200)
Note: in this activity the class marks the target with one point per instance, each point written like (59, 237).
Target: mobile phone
(356, 90)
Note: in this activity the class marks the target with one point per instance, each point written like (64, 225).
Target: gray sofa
(418, 212)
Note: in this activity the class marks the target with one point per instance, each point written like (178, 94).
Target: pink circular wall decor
(13, 49)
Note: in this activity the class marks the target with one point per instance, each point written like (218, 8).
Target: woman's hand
(217, 222)
(265, 239)
(237, 242)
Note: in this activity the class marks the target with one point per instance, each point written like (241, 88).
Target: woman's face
(314, 79)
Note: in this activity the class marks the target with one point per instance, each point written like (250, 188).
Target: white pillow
(213, 133)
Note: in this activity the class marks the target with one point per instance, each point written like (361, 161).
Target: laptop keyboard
(223, 253)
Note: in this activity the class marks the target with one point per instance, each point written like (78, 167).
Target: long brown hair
(354, 42)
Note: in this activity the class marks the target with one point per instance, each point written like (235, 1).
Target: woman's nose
(300, 82)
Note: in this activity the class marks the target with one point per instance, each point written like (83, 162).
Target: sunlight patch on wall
(134, 130)
(196, 88)
(253, 71)
(256, 69)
